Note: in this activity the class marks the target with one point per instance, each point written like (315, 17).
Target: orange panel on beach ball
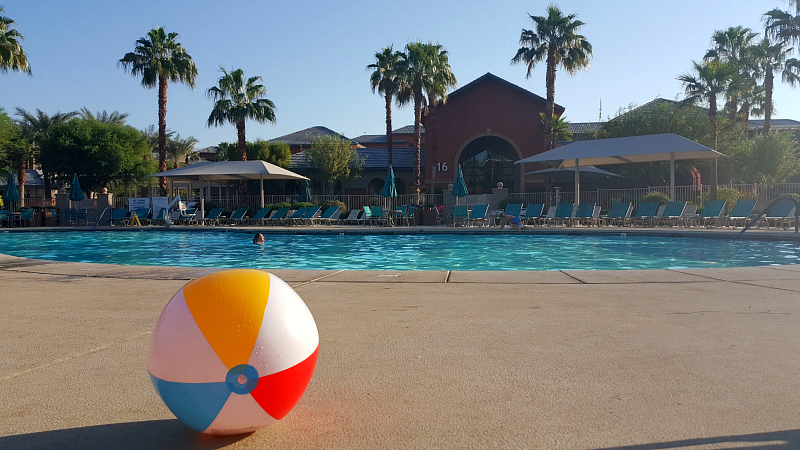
(228, 307)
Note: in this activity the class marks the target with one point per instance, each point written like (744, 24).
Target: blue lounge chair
(533, 213)
(672, 214)
(564, 213)
(710, 215)
(236, 216)
(367, 216)
(213, 217)
(276, 218)
(644, 214)
(258, 217)
(513, 209)
(460, 214)
(780, 214)
(160, 218)
(26, 216)
(477, 215)
(620, 212)
(309, 215)
(298, 214)
(740, 213)
(327, 216)
(584, 214)
(378, 217)
(118, 216)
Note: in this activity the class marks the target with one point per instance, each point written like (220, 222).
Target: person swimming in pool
(258, 238)
(512, 221)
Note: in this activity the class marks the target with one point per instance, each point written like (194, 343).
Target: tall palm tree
(238, 99)
(159, 59)
(733, 47)
(414, 70)
(383, 80)
(783, 25)
(709, 80)
(34, 128)
(557, 41)
(767, 59)
(181, 148)
(12, 56)
(114, 117)
(440, 81)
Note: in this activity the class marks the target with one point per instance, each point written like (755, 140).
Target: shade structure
(11, 193)
(389, 189)
(624, 150)
(570, 172)
(75, 192)
(460, 187)
(305, 192)
(231, 170)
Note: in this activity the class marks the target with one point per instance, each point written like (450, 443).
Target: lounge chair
(378, 217)
(175, 216)
(620, 212)
(310, 215)
(258, 216)
(460, 214)
(672, 214)
(327, 216)
(160, 218)
(780, 214)
(298, 214)
(533, 213)
(351, 218)
(367, 216)
(644, 214)
(188, 216)
(52, 217)
(584, 214)
(710, 215)
(118, 216)
(740, 213)
(563, 214)
(513, 209)
(26, 216)
(276, 218)
(213, 216)
(236, 216)
(477, 215)
(407, 215)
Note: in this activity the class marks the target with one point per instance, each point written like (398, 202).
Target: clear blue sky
(312, 55)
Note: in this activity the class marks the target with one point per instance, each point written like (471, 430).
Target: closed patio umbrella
(460, 187)
(305, 192)
(11, 193)
(389, 190)
(75, 193)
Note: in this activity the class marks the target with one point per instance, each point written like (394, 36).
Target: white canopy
(624, 150)
(230, 170)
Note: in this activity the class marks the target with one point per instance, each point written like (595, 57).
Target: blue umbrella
(460, 187)
(389, 189)
(75, 194)
(11, 194)
(305, 193)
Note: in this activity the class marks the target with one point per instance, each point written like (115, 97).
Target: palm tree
(181, 148)
(556, 40)
(159, 59)
(767, 59)
(237, 100)
(114, 117)
(441, 79)
(560, 128)
(783, 25)
(12, 56)
(733, 47)
(34, 128)
(413, 69)
(708, 81)
(383, 80)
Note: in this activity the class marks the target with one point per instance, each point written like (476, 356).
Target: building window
(487, 161)
(375, 186)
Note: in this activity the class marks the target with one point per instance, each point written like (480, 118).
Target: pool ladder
(107, 208)
(769, 208)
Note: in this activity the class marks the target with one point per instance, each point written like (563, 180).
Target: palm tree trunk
(389, 125)
(242, 143)
(21, 180)
(745, 115)
(550, 82)
(734, 105)
(768, 81)
(162, 132)
(434, 145)
(417, 138)
(712, 117)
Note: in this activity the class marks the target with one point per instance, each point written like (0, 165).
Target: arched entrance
(488, 160)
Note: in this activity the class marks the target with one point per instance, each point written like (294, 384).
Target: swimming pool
(397, 252)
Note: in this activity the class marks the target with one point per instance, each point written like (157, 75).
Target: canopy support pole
(261, 182)
(202, 203)
(672, 176)
(577, 182)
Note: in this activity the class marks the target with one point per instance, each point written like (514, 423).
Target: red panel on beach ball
(279, 392)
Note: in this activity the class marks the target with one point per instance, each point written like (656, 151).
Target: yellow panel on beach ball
(229, 307)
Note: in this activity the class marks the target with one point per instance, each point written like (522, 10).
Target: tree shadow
(771, 440)
(151, 434)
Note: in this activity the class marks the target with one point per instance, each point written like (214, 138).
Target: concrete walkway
(702, 358)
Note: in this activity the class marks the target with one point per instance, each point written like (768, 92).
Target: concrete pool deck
(700, 358)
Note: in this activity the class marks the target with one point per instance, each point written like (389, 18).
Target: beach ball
(233, 351)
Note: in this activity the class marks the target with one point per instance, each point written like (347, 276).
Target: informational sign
(135, 203)
(159, 203)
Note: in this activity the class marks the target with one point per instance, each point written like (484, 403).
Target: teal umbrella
(305, 193)
(11, 194)
(460, 187)
(389, 189)
(76, 194)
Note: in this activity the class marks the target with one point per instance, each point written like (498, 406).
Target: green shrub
(325, 204)
(280, 205)
(301, 205)
(730, 195)
(791, 195)
(662, 199)
(505, 202)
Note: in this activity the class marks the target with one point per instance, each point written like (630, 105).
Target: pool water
(396, 252)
